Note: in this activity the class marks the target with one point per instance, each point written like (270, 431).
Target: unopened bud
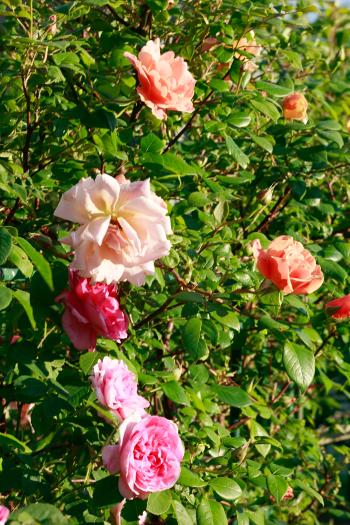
(53, 28)
(265, 196)
(42, 241)
(177, 374)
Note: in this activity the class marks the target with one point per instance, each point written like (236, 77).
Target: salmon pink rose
(166, 83)
(91, 310)
(4, 514)
(288, 265)
(116, 389)
(123, 229)
(295, 107)
(339, 308)
(148, 456)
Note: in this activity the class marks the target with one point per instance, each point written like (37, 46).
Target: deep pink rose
(91, 310)
(288, 265)
(116, 389)
(4, 514)
(117, 510)
(339, 308)
(165, 80)
(148, 456)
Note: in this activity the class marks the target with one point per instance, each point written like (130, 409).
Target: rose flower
(124, 229)
(295, 107)
(166, 83)
(288, 265)
(339, 308)
(148, 456)
(91, 310)
(4, 514)
(116, 389)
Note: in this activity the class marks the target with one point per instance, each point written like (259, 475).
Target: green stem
(31, 18)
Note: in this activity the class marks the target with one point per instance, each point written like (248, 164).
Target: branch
(281, 393)
(276, 210)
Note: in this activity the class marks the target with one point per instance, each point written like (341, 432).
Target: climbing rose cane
(339, 308)
(166, 83)
(91, 310)
(288, 265)
(124, 229)
(148, 456)
(116, 389)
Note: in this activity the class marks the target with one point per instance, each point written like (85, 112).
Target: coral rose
(117, 510)
(91, 310)
(116, 389)
(148, 456)
(166, 83)
(26, 416)
(339, 308)
(124, 229)
(295, 107)
(288, 265)
(4, 514)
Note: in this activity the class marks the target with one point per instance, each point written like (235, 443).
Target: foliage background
(212, 357)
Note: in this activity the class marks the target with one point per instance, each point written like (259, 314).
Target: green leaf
(295, 302)
(281, 471)
(232, 395)
(151, 143)
(266, 108)
(19, 258)
(197, 199)
(159, 502)
(24, 299)
(224, 315)
(277, 486)
(106, 493)
(242, 518)
(329, 124)
(188, 297)
(101, 119)
(10, 441)
(299, 364)
(213, 126)
(260, 141)
(5, 297)
(267, 440)
(271, 324)
(41, 264)
(88, 360)
(240, 120)
(219, 85)
(331, 136)
(332, 269)
(177, 165)
(297, 483)
(226, 488)
(175, 392)
(191, 337)
(294, 59)
(210, 512)
(5, 245)
(236, 152)
(257, 430)
(221, 212)
(190, 479)
(172, 259)
(182, 516)
(273, 89)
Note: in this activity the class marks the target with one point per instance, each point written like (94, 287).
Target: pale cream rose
(123, 229)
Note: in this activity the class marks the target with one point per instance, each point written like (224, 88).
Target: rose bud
(53, 28)
(265, 196)
(339, 308)
(295, 107)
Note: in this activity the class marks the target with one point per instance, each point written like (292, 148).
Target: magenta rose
(116, 389)
(4, 514)
(91, 310)
(148, 456)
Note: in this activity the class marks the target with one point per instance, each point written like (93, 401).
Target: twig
(278, 207)
(281, 393)
(325, 342)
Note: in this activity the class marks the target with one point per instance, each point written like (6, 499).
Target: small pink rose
(91, 310)
(166, 83)
(288, 265)
(148, 456)
(4, 514)
(116, 389)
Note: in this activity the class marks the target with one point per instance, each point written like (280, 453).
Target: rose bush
(174, 196)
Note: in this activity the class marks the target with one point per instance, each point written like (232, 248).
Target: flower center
(114, 221)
